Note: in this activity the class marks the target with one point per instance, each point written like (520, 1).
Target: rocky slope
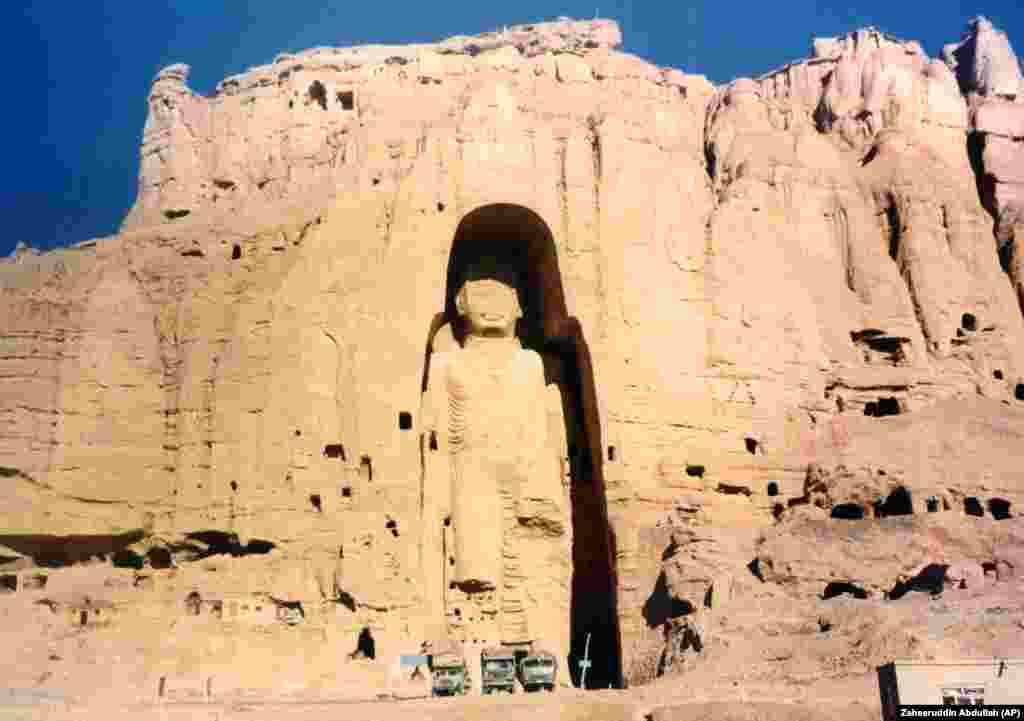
(788, 298)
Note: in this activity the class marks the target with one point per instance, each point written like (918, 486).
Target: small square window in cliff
(346, 99)
(404, 421)
(314, 499)
(366, 468)
(972, 507)
(318, 93)
(882, 407)
(236, 251)
(1018, 392)
(392, 525)
(773, 488)
(999, 508)
(933, 505)
(611, 454)
(433, 440)
(334, 450)
(968, 322)
(346, 492)
(997, 374)
(751, 444)
(898, 503)
(695, 471)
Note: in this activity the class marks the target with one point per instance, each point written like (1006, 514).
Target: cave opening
(193, 603)
(973, 507)
(318, 94)
(999, 508)
(838, 588)
(882, 407)
(159, 558)
(848, 511)
(127, 558)
(334, 450)
(969, 322)
(366, 645)
(520, 241)
(897, 503)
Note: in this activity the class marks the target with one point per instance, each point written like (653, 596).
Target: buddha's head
(488, 301)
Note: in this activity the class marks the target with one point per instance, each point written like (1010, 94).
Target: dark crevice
(203, 544)
(848, 511)
(660, 606)
(930, 580)
(58, 551)
(894, 231)
(838, 588)
(755, 569)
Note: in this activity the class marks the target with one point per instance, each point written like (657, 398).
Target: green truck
(538, 670)
(498, 670)
(450, 677)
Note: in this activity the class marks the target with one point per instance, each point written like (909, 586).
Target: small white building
(950, 683)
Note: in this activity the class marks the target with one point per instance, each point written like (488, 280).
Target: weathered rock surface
(756, 303)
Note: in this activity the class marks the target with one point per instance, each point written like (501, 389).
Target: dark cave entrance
(519, 240)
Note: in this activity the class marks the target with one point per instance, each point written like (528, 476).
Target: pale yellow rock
(720, 289)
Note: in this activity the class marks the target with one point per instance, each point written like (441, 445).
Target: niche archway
(520, 241)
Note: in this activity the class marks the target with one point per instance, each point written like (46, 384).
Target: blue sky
(78, 72)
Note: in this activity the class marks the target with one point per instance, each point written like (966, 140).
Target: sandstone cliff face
(748, 280)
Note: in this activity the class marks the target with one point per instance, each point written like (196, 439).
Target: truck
(498, 670)
(449, 677)
(538, 670)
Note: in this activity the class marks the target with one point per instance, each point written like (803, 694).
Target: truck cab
(538, 670)
(498, 670)
(449, 677)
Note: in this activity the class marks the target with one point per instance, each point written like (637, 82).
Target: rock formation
(759, 310)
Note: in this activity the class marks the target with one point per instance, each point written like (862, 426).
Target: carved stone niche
(511, 441)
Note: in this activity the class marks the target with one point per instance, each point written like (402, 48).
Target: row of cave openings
(932, 579)
(899, 503)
